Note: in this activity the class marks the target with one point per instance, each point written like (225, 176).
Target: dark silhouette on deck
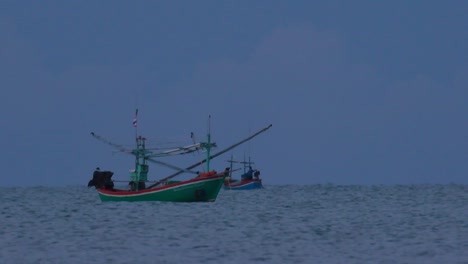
(102, 179)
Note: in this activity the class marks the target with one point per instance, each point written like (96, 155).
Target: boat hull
(200, 189)
(243, 184)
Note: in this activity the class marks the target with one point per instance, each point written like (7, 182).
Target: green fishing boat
(203, 187)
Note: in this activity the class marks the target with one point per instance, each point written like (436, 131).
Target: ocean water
(279, 224)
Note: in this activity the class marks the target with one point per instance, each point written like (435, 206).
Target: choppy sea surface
(279, 224)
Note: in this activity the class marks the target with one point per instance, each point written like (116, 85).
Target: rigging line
(172, 139)
(171, 166)
(118, 146)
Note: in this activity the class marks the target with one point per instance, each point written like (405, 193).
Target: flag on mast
(135, 118)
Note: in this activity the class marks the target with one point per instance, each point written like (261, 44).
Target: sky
(358, 92)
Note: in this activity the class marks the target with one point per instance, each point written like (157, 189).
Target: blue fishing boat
(250, 178)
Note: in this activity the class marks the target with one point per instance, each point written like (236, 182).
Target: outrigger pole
(210, 157)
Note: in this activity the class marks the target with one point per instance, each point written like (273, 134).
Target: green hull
(203, 189)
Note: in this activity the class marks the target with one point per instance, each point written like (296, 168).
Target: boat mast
(140, 175)
(208, 145)
(245, 164)
(135, 125)
(230, 165)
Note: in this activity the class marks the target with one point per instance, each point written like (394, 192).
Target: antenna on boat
(135, 123)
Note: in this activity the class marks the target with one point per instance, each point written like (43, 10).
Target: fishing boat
(250, 178)
(203, 187)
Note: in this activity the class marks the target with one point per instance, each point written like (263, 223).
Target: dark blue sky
(358, 92)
